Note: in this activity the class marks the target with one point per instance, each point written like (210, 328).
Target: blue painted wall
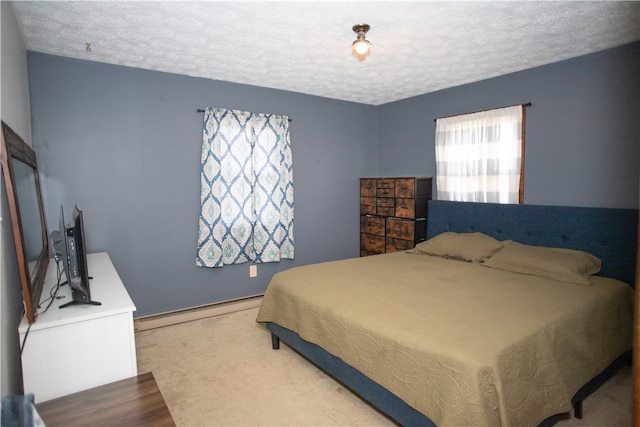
(582, 130)
(124, 144)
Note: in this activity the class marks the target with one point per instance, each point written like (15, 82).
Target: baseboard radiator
(169, 318)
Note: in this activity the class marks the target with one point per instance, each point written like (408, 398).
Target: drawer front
(396, 245)
(385, 211)
(401, 229)
(371, 244)
(388, 202)
(406, 208)
(366, 253)
(372, 225)
(367, 210)
(366, 200)
(385, 192)
(405, 187)
(367, 205)
(368, 187)
(386, 183)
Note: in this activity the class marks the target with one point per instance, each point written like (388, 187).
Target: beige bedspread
(462, 343)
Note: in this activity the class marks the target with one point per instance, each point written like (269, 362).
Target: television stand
(66, 351)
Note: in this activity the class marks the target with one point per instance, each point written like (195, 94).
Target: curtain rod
(201, 110)
(527, 104)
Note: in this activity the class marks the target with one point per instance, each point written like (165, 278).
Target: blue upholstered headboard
(609, 234)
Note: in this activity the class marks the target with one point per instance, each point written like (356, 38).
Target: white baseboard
(153, 321)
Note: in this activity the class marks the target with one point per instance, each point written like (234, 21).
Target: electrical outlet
(253, 270)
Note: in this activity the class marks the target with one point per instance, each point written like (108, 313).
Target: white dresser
(80, 346)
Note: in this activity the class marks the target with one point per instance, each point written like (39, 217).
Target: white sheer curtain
(246, 189)
(479, 156)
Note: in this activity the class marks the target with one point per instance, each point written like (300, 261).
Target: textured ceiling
(417, 47)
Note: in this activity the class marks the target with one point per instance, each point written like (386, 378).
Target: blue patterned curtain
(246, 189)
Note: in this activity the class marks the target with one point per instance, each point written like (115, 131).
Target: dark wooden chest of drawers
(393, 213)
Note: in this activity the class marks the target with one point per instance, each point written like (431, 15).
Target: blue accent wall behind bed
(609, 234)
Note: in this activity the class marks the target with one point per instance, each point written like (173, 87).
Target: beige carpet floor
(221, 371)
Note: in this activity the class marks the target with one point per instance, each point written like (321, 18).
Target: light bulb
(361, 46)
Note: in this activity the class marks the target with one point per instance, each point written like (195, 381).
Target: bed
(456, 332)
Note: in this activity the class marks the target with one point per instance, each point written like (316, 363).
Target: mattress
(462, 343)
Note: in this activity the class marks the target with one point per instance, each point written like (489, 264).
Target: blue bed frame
(609, 234)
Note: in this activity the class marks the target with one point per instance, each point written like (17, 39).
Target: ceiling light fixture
(361, 45)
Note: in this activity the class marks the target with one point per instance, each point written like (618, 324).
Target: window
(246, 189)
(480, 156)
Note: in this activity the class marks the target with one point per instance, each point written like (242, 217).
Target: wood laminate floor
(133, 402)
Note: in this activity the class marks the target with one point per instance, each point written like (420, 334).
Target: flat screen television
(69, 244)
